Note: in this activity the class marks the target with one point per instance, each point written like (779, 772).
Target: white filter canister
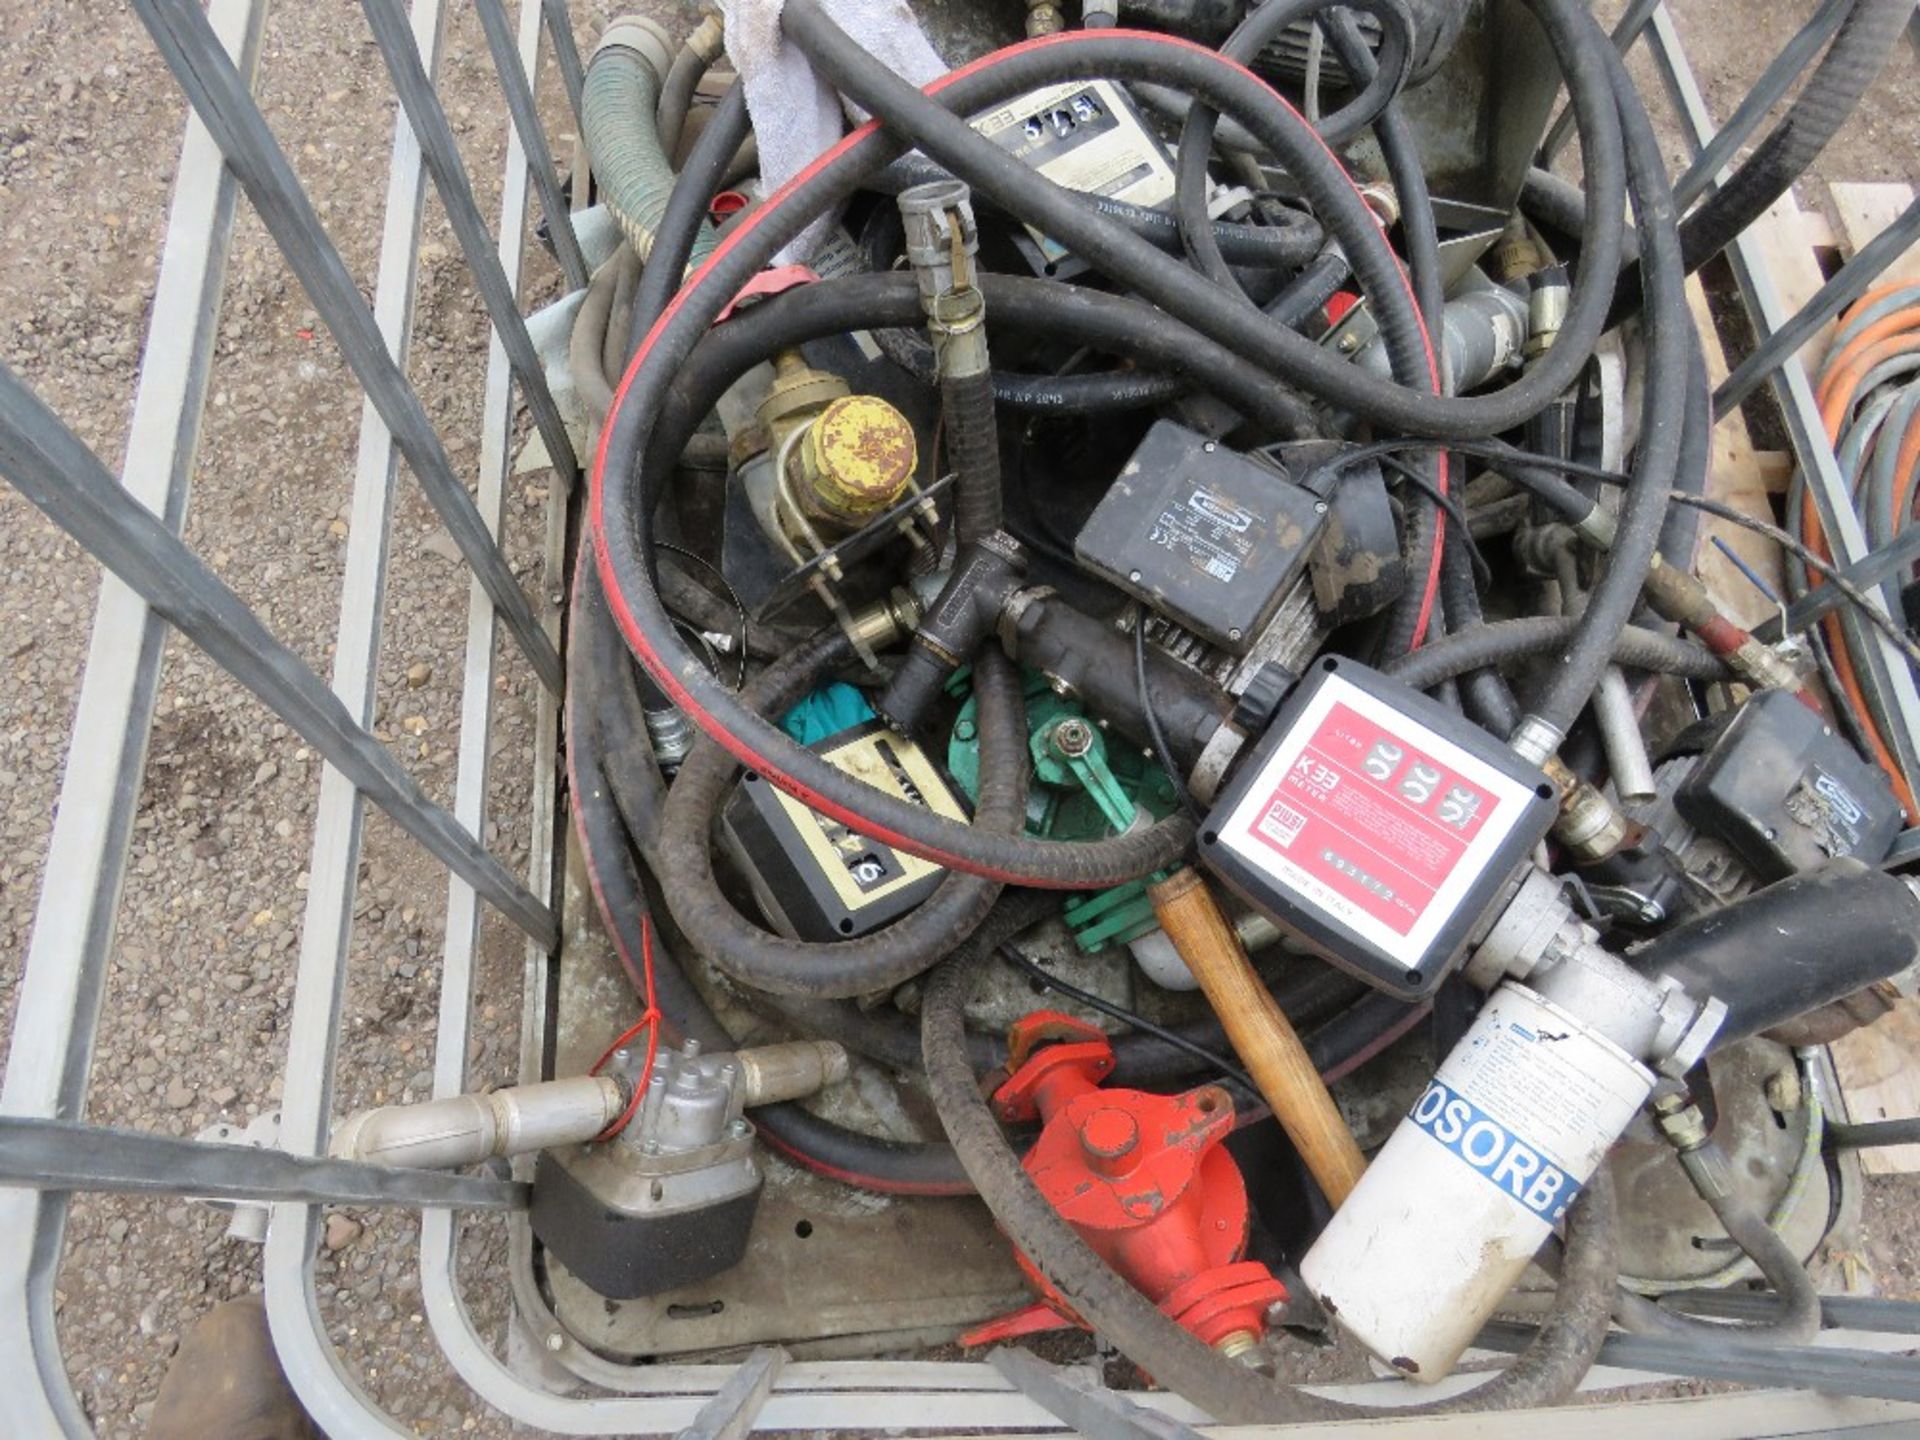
(1469, 1186)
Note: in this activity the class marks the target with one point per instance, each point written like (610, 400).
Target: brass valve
(856, 460)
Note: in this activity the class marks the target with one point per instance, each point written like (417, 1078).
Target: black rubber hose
(1796, 1319)
(620, 525)
(1486, 696)
(973, 453)
(1559, 700)
(1306, 295)
(1100, 393)
(888, 957)
(1190, 297)
(1545, 1373)
(1285, 246)
(881, 242)
(1380, 83)
(603, 741)
(1868, 38)
(700, 179)
(1407, 621)
(1502, 642)
(1561, 206)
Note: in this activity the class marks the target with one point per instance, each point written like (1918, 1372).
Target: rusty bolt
(1072, 738)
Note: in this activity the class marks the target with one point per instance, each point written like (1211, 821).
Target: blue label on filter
(1502, 1158)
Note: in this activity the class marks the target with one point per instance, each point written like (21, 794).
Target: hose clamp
(1534, 739)
(1210, 770)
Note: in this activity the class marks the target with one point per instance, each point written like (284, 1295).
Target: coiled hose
(860, 966)
(623, 547)
(621, 525)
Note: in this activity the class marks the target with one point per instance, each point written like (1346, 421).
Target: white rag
(795, 113)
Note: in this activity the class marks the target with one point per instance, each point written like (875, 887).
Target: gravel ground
(208, 930)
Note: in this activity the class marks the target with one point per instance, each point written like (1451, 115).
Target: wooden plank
(1878, 1077)
(1867, 209)
(1735, 477)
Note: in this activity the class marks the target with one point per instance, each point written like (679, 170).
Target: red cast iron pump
(1143, 1178)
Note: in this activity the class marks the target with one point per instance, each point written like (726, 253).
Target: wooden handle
(1261, 1034)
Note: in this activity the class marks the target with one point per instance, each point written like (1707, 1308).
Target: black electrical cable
(1162, 752)
(1545, 1373)
(1470, 555)
(1012, 956)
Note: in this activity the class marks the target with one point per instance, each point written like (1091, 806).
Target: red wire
(661, 668)
(650, 1022)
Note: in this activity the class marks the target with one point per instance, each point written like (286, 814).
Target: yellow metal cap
(859, 456)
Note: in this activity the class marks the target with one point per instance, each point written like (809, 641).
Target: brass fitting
(1589, 825)
(887, 622)
(857, 459)
(797, 394)
(1517, 254)
(1237, 1344)
(1044, 17)
(1680, 1120)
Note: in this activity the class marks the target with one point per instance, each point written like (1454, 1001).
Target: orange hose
(1840, 381)
(1904, 464)
(1840, 386)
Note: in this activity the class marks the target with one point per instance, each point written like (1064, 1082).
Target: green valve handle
(1068, 749)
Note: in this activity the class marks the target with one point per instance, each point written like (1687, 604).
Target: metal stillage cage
(154, 584)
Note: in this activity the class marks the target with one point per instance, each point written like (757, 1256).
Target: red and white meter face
(1374, 820)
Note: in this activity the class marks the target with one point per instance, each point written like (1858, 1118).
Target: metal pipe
(466, 1129)
(1626, 747)
(772, 1073)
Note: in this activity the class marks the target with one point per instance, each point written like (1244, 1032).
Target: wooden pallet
(1878, 1067)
